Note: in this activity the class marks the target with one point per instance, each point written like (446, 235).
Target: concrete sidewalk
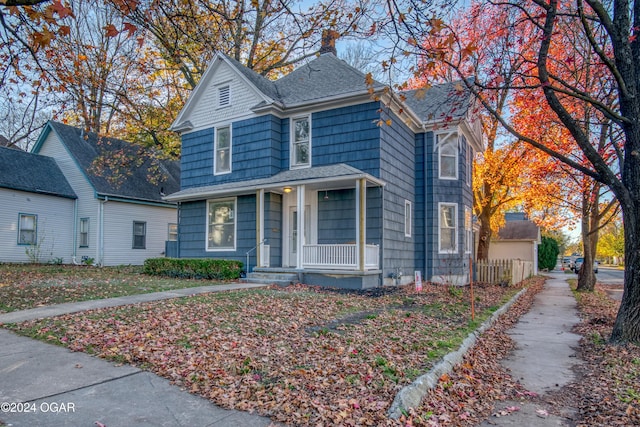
(544, 355)
(47, 385)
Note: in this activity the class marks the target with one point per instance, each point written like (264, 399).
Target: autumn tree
(603, 37)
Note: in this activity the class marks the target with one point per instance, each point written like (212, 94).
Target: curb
(410, 396)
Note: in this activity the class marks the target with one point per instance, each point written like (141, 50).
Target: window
(224, 96)
(221, 225)
(27, 229)
(84, 232)
(222, 161)
(407, 218)
(173, 232)
(468, 231)
(139, 235)
(448, 228)
(448, 156)
(300, 142)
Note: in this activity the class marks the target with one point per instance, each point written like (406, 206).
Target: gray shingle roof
(447, 101)
(288, 177)
(519, 230)
(136, 183)
(33, 173)
(324, 77)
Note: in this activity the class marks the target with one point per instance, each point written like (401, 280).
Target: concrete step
(267, 277)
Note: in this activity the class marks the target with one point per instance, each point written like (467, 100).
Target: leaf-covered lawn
(24, 286)
(300, 355)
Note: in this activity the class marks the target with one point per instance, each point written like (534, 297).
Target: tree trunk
(590, 225)
(627, 324)
(485, 233)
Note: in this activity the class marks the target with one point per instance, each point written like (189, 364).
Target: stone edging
(411, 395)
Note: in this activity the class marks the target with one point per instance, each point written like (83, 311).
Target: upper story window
(301, 141)
(448, 155)
(224, 96)
(469, 162)
(27, 229)
(222, 160)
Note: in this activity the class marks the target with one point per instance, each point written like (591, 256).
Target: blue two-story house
(326, 176)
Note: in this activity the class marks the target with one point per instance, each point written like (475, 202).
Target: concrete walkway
(47, 385)
(544, 355)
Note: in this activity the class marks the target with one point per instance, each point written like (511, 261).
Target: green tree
(548, 253)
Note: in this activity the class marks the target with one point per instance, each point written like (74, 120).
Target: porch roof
(320, 176)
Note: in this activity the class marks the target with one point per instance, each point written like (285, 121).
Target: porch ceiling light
(287, 189)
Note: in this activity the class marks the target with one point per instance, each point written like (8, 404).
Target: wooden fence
(507, 271)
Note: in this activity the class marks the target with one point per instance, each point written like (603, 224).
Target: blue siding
(397, 169)
(193, 230)
(420, 206)
(347, 135)
(273, 226)
(255, 152)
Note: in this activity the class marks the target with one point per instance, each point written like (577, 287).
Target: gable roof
(33, 173)
(134, 184)
(447, 101)
(519, 230)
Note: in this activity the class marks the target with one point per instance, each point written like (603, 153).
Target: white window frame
(83, 238)
(408, 223)
(442, 250)
(446, 141)
(134, 235)
(293, 164)
(216, 149)
(224, 95)
(233, 217)
(468, 230)
(21, 229)
(172, 232)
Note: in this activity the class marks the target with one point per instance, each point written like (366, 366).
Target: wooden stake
(473, 307)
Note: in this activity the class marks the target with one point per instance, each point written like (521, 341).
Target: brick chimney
(329, 41)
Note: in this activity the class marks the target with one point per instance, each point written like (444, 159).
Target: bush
(192, 268)
(548, 253)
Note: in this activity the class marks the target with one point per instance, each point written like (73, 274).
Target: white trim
(215, 149)
(235, 225)
(292, 142)
(455, 234)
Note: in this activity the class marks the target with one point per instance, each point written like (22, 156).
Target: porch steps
(280, 278)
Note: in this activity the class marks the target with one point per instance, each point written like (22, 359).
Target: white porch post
(361, 221)
(259, 226)
(300, 226)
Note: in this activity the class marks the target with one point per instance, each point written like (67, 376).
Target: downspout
(178, 238)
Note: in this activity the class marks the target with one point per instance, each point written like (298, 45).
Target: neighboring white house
(517, 239)
(36, 202)
(119, 216)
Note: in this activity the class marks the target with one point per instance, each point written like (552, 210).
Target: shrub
(548, 253)
(194, 268)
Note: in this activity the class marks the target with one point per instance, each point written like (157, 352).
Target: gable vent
(224, 98)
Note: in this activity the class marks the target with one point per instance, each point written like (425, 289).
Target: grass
(24, 286)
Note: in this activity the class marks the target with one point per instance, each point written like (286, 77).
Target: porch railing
(339, 256)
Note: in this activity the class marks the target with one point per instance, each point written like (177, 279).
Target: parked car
(566, 263)
(578, 263)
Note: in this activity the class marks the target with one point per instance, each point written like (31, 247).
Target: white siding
(88, 205)
(205, 112)
(54, 227)
(118, 231)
